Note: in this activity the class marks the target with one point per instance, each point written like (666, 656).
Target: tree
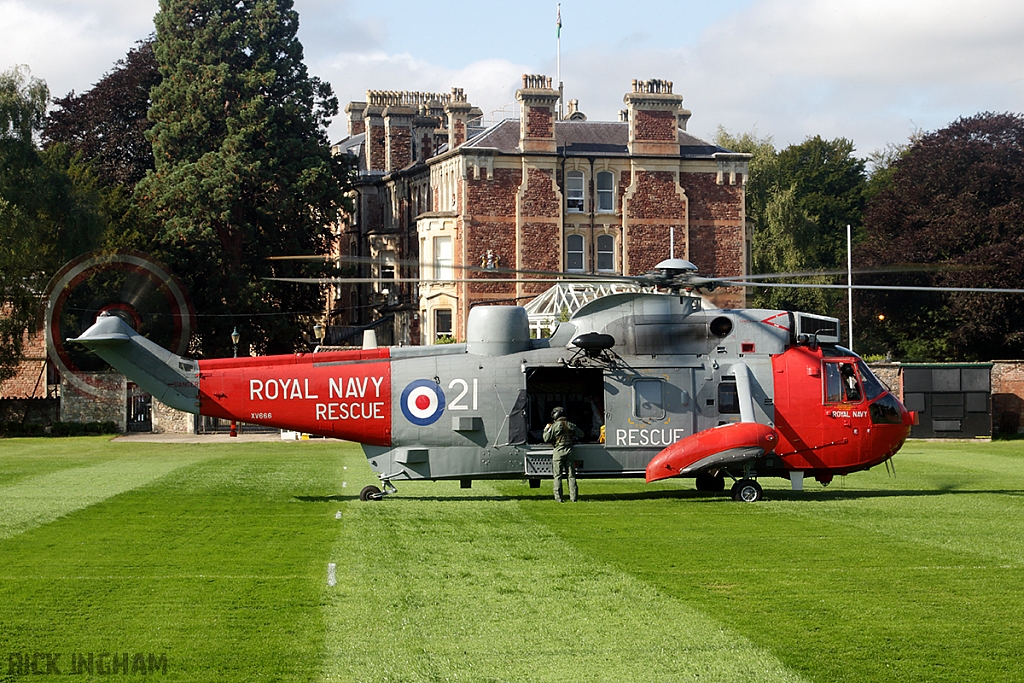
(955, 201)
(100, 137)
(243, 169)
(45, 217)
(107, 125)
(800, 200)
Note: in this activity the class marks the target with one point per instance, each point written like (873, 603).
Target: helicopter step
(537, 464)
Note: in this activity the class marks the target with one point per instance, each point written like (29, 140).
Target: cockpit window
(872, 386)
(841, 384)
(833, 384)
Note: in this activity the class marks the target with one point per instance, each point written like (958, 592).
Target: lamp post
(319, 331)
(234, 343)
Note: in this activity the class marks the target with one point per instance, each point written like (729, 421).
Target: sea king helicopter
(662, 383)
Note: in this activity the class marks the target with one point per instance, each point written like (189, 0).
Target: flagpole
(558, 58)
(849, 282)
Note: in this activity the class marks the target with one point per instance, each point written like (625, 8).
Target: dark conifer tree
(243, 168)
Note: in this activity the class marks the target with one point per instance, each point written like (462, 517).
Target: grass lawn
(215, 557)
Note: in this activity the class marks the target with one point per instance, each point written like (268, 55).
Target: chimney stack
(354, 110)
(398, 130)
(458, 112)
(537, 101)
(373, 122)
(655, 116)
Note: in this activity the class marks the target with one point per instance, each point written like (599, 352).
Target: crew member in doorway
(563, 435)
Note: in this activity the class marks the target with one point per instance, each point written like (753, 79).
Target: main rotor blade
(895, 288)
(377, 280)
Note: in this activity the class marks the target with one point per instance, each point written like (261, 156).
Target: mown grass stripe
(217, 564)
(34, 501)
(473, 589)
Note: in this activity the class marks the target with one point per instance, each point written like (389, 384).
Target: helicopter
(661, 382)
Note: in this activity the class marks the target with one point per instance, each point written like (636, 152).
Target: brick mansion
(441, 197)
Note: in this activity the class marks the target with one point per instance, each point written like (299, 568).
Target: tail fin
(171, 379)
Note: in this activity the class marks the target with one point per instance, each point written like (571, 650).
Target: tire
(710, 482)
(747, 491)
(370, 492)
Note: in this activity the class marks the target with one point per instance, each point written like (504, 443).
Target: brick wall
(654, 209)
(539, 122)
(495, 197)
(717, 233)
(378, 153)
(399, 147)
(711, 201)
(539, 240)
(656, 125)
(29, 380)
(1007, 396)
(492, 204)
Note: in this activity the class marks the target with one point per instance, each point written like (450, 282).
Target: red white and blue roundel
(422, 402)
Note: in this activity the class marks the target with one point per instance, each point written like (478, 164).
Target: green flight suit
(563, 435)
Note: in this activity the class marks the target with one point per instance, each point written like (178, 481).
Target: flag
(558, 22)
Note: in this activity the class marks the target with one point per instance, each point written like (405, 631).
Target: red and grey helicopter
(662, 383)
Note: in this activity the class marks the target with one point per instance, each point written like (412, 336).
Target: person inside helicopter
(851, 388)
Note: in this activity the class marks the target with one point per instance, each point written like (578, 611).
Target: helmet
(557, 413)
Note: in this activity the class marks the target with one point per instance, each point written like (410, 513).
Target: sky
(872, 71)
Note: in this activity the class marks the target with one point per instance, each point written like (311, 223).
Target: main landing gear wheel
(747, 491)
(710, 482)
(370, 492)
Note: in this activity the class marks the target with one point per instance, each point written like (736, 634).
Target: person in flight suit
(563, 435)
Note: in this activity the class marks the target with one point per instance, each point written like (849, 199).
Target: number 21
(455, 405)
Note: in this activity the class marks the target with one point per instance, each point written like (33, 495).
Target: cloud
(71, 44)
(327, 26)
(870, 71)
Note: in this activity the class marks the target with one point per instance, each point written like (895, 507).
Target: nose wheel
(372, 492)
(747, 491)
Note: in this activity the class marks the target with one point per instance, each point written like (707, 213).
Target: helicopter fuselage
(661, 385)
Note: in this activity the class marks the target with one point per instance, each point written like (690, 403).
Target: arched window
(605, 253)
(574, 253)
(574, 191)
(606, 191)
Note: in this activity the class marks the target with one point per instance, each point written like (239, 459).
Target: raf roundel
(422, 402)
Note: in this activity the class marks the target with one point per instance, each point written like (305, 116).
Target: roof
(585, 138)
(573, 139)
